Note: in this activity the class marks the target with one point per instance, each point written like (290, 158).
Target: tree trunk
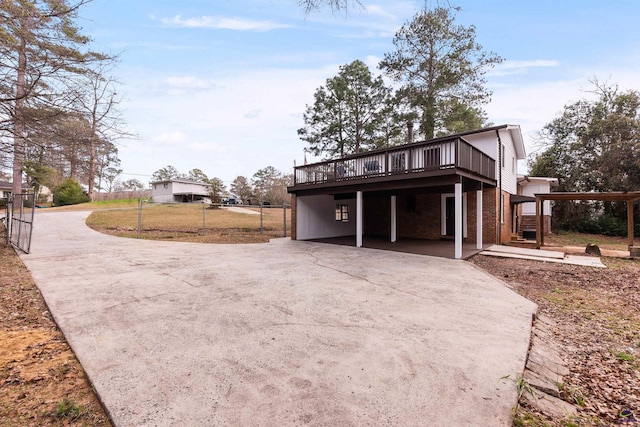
(428, 125)
(92, 164)
(18, 120)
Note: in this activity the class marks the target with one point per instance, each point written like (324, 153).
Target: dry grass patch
(569, 238)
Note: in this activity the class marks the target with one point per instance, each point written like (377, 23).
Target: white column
(394, 220)
(359, 219)
(479, 219)
(458, 221)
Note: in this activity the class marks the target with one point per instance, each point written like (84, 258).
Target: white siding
(530, 189)
(488, 144)
(315, 217)
(163, 192)
(485, 142)
(509, 173)
(189, 188)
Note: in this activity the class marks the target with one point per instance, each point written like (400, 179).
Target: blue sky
(221, 85)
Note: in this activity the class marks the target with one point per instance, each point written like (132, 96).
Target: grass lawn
(192, 223)
(571, 238)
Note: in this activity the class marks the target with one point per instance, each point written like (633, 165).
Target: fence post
(8, 218)
(204, 227)
(284, 219)
(139, 217)
(260, 217)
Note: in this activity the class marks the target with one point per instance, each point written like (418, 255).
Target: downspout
(500, 211)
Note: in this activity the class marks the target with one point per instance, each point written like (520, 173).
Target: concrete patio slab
(285, 333)
(586, 261)
(526, 251)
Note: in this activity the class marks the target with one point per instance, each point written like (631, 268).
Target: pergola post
(539, 230)
(630, 224)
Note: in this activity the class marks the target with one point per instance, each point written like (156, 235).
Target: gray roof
(7, 185)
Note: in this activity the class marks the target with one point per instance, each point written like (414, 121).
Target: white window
(342, 213)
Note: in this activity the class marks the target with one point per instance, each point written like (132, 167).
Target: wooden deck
(437, 248)
(426, 159)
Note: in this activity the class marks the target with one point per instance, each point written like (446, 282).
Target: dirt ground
(41, 381)
(597, 312)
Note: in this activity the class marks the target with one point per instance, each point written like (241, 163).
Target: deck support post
(358, 219)
(479, 219)
(458, 220)
(394, 219)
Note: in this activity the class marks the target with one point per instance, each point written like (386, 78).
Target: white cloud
(222, 23)
(372, 62)
(170, 137)
(188, 82)
(175, 125)
(253, 114)
(379, 11)
(205, 146)
(509, 67)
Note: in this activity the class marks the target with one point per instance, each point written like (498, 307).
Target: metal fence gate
(19, 218)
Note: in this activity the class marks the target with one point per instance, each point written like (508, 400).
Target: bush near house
(607, 225)
(69, 193)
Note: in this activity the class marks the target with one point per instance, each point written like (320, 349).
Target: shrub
(69, 193)
(607, 225)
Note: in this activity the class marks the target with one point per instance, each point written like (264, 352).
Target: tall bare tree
(97, 100)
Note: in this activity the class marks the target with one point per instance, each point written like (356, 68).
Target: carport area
(438, 248)
(284, 333)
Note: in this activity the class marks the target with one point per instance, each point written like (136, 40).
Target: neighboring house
(457, 187)
(6, 188)
(529, 187)
(180, 191)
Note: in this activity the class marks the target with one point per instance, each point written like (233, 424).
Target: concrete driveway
(284, 333)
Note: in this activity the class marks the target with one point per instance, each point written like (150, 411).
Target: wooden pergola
(629, 197)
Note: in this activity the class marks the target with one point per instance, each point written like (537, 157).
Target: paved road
(284, 333)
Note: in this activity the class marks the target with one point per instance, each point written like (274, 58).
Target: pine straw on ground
(597, 314)
(41, 381)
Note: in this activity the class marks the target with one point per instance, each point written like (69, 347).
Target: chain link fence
(197, 222)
